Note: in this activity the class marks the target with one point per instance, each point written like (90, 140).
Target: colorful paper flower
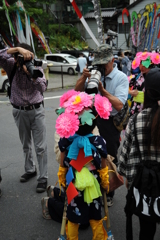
(67, 124)
(155, 58)
(136, 62)
(78, 102)
(130, 77)
(138, 54)
(66, 96)
(103, 106)
(144, 55)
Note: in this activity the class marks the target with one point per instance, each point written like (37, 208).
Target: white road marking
(47, 98)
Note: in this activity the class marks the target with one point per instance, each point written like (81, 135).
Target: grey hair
(111, 58)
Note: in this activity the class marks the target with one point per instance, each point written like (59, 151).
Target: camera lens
(92, 86)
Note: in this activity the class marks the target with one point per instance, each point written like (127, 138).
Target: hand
(26, 53)
(86, 73)
(100, 87)
(25, 70)
(134, 93)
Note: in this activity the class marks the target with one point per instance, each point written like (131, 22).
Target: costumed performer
(141, 65)
(83, 167)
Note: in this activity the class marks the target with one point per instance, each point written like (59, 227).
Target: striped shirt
(24, 91)
(129, 157)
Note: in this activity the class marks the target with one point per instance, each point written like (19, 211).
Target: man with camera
(27, 84)
(114, 86)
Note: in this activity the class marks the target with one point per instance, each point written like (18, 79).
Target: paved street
(20, 207)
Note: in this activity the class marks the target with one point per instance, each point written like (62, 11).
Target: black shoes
(41, 187)
(25, 177)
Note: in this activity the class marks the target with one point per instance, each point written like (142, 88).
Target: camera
(92, 85)
(31, 66)
(112, 33)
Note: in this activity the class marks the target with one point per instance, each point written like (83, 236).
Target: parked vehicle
(3, 80)
(61, 62)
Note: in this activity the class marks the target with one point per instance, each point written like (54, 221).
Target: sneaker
(25, 177)
(109, 201)
(41, 187)
(45, 211)
(50, 192)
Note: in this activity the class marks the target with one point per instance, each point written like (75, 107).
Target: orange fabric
(62, 176)
(99, 232)
(72, 231)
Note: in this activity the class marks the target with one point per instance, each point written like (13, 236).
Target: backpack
(143, 197)
(10, 80)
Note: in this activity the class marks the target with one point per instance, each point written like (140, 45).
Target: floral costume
(79, 211)
(136, 83)
(82, 169)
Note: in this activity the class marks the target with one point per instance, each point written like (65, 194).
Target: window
(60, 59)
(124, 28)
(52, 58)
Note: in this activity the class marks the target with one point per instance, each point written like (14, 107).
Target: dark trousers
(110, 133)
(56, 205)
(147, 230)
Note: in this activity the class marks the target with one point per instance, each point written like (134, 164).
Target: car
(61, 62)
(4, 82)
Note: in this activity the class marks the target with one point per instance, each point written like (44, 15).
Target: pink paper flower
(78, 102)
(138, 54)
(103, 106)
(66, 96)
(144, 55)
(67, 124)
(136, 63)
(155, 58)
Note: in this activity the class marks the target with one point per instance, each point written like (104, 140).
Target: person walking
(28, 111)
(82, 61)
(148, 134)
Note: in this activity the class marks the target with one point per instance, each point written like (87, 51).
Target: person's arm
(26, 53)
(133, 93)
(103, 163)
(116, 103)
(80, 84)
(62, 158)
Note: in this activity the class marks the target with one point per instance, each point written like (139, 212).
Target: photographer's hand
(26, 53)
(86, 73)
(80, 84)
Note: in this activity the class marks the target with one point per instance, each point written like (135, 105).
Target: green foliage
(87, 117)
(61, 36)
(60, 111)
(66, 30)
